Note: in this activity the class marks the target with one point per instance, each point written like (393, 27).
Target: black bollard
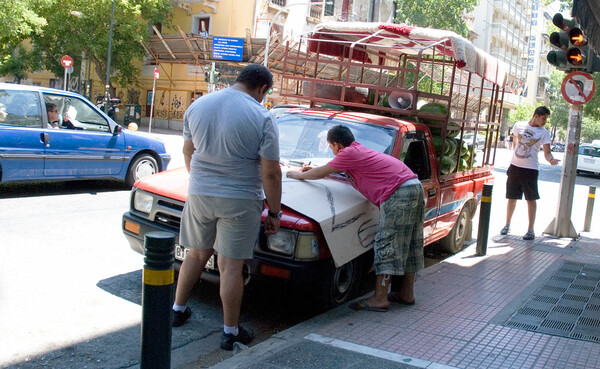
(484, 219)
(589, 209)
(157, 300)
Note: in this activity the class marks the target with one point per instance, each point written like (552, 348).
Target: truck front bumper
(261, 266)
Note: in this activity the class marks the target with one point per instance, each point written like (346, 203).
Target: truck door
(416, 156)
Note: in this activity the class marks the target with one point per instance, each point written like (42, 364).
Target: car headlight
(307, 247)
(142, 202)
(282, 241)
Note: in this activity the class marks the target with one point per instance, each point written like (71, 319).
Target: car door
(83, 145)
(589, 159)
(21, 135)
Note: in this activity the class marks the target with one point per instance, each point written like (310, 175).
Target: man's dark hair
(254, 76)
(50, 107)
(541, 110)
(340, 134)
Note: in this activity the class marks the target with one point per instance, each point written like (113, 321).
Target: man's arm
(188, 151)
(548, 155)
(270, 172)
(315, 173)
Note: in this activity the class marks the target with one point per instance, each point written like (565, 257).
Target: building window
(329, 8)
(201, 23)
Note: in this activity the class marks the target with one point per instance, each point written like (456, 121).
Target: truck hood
(348, 220)
(171, 183)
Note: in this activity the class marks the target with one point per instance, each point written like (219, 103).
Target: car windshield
(303, 137)
(591, 151)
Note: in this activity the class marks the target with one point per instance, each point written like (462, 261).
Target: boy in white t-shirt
(524, 166)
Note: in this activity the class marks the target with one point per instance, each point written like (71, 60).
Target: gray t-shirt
(231, 131)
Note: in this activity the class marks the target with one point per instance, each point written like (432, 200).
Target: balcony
(277, 3)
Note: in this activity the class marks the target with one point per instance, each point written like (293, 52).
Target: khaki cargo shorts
(229, 226)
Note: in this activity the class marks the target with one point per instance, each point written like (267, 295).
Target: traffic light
(570, 43)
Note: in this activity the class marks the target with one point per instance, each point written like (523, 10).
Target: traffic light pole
(561, 226)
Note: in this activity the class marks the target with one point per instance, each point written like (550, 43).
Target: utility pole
(561, 225)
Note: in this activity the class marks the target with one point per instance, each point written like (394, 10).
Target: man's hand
(293, 174)
(554, 161)
(271, 225)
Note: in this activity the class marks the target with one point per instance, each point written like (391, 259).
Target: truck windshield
(303, 137)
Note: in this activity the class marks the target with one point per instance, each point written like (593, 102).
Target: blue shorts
(399, 240)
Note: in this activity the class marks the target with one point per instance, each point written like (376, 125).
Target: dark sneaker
(529, 235)
(180, 317)
(504, 231)
(243, 336)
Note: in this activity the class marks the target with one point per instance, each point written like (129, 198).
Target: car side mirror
(117, 130)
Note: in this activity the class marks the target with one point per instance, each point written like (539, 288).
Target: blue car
(49, 134)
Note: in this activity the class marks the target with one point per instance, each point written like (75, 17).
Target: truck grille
(168, 220)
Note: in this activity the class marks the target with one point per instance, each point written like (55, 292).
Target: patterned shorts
(399, 239)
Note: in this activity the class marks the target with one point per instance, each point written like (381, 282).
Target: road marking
(376, 352)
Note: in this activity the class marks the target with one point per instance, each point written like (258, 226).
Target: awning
(587, 13)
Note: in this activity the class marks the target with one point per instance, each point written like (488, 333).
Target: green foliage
(556, 102)
(78, 27)
(522, 112)
(590, 129)
(592, 108)
(19, 21)
(441, 14)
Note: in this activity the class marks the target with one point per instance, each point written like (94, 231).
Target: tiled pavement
(459, 319)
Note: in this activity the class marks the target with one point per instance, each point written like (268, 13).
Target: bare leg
(406, 292)
(531, 209)
(510, 209)
(190, 272)
(231, 289)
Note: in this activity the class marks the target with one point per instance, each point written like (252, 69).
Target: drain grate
(566, 304)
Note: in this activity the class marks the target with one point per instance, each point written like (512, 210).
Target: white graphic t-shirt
(530, 139)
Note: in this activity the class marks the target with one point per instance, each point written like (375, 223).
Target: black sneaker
(529, 235)
(180, 317)
(243, 336)
(504, 231)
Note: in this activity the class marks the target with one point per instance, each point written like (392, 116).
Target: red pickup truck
(327, 228)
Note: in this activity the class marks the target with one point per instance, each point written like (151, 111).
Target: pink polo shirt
(374, 174)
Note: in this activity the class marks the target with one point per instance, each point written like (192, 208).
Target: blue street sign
(226, 48)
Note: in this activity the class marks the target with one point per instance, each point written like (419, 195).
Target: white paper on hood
(348, 220)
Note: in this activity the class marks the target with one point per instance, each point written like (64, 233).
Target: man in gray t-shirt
(231, 149)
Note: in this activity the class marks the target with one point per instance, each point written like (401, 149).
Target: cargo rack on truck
(394, 69)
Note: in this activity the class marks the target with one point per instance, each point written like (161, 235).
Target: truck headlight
(282, 241)
(142, 202)
(307, 247)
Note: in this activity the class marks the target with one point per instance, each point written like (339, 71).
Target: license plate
(586, 160)
(181, 252)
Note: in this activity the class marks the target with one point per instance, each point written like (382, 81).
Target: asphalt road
(70, 287)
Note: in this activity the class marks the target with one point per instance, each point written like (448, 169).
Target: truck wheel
(141, 166)
(341, 283)
(455, 240)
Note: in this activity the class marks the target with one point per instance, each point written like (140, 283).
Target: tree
(590, 129)
(81, 27)
(441, 14)
(19, 21)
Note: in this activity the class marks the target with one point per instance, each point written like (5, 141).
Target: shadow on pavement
(33, 189)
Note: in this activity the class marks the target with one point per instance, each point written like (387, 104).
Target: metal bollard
(157, 300)
(589, 209)
(484, 219)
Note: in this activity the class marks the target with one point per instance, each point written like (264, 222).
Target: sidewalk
(526, 304)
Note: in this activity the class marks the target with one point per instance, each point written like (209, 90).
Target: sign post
(156, 76)
(67, 62)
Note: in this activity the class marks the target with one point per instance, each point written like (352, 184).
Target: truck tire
(455, 240)
(341, 283)
(141, 166)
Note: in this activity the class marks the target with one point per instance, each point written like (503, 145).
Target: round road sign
(578, 88)
(66, 61)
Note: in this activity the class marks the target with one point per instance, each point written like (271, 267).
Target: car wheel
(455, 240)
(341, 283)
(141, 166)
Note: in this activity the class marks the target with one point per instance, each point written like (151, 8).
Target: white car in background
(588, 158)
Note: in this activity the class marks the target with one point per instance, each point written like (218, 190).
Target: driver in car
(54, 118)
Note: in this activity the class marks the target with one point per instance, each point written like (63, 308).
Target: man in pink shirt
(388, 183)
